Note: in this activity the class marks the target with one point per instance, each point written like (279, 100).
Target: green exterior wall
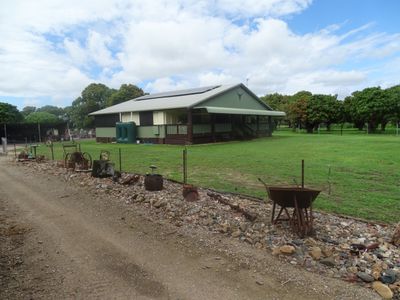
(142, 132)
(151, 131)
(106, 132)
(232, 100)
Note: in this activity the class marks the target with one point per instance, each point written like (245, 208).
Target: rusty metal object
(78, 161)
(102, 169)
(190, 193)
(296, 204)
(153, 182)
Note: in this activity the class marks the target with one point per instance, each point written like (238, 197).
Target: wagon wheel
(66, 159)
(87, 156)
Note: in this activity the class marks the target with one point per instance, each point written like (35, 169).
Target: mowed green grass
(364, 169)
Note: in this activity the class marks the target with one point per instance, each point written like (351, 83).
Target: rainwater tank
(126, 132)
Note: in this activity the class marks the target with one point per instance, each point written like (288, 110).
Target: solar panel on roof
(186, 92)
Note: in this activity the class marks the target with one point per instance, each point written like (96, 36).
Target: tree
(42, 118)
(278, 102)
(126, 92)
(9, 113)
(297, 109)
(57, 111)
(351, 113)
(393, 94)
(323, 109)
(94, 97)
(27, 110)
(373, 106)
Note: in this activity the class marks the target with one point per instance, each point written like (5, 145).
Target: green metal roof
(189, 99)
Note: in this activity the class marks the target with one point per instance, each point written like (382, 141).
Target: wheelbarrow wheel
(88, 158)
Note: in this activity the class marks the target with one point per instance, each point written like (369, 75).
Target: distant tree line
(372, 107)
(94, 97)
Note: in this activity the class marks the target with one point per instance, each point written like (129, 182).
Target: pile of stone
(353, 250)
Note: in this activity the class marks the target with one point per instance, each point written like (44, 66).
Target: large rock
(383, 290)
(365, 277)
(236, 233)
(377, 270)
(396, 236)
(329, 261)
(316, 253)
(287, 249)
(389, 276)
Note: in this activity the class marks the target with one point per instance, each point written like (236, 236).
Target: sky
(50, 50)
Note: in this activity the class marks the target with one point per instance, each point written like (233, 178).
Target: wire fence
(361, 182)
(336, 130)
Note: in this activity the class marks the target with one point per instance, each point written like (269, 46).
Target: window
(146, 118)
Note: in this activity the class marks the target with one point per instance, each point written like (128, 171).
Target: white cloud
(212, 78)
(55, 48)
(99, 52)
(166, 84)
(257, 8)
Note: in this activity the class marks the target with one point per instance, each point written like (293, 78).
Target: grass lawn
(364, 169)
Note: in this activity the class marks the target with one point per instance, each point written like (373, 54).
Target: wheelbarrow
(295, 206)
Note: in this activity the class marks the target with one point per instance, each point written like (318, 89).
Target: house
(192, 116)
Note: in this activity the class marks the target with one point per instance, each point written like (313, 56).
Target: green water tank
(126, 132)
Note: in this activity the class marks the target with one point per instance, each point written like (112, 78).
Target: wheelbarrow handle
(266, 186)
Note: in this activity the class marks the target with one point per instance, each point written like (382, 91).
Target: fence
(359, 175)
(335, 130)
(30, 133)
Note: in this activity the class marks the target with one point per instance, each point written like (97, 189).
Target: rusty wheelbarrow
(296, 204)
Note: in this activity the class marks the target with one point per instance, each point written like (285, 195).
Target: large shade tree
(27, 110)
(94, 97)
(323, 109)
(372, 105)
(393, 94)
(297, 109)
(278, 102)
(126, 92)
(42, 117)
(54, 110)
(9, 113)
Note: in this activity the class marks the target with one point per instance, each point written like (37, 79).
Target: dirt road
(59, 242)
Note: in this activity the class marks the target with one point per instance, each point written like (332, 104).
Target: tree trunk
(359, 125)
(383, 125)
(371, 126)
(328, 126)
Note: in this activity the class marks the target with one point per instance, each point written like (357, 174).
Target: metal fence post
(52, 151)
(184, 158)
(120, 160)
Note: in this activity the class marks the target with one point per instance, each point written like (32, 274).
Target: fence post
(184, 158)
(120, 161)
(52, 151)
